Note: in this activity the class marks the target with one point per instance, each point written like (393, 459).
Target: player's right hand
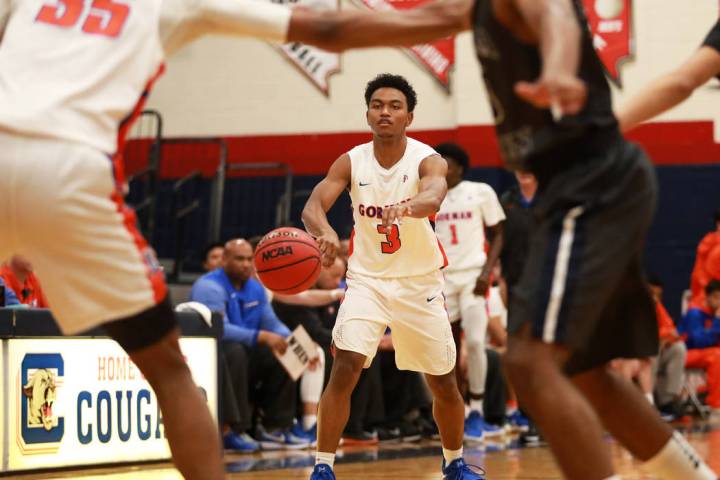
(329, 244)
(563, 94)
(277, 343)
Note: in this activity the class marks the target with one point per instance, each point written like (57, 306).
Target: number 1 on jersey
(453, 231)
(105, 17)
(392, 236)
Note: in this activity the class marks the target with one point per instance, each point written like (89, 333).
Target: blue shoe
(488, 429)
(274, 440)
(474, 431)
(240, 442)
(294, 442)
(518, 421)
(322, 471)
(309, 435)
(459, 470)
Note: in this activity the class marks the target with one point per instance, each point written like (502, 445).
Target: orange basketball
(288, 260)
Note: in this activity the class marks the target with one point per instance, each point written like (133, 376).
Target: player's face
(214, 259)
(387, 113)
(454, 172)
(713, 301)
(238, 261)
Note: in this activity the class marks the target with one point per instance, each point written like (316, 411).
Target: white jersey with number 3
(76, 69)
(468, 208)
(406, 249)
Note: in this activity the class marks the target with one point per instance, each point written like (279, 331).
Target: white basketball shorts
(412, 307)
(459, 286)
(61, 209)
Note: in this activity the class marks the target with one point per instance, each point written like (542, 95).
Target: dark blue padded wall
(688, 197)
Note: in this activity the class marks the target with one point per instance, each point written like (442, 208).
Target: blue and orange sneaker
(459, 470)
(322, 471)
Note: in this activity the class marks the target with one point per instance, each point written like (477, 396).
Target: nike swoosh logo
(431, 299)
(364, 184)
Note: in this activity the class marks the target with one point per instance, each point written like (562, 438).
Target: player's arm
(553, 26)
(431, 193)
(341, 30)
(323, 196)
(4, 16)
(311, 298)
(496, 243)
(670, 89)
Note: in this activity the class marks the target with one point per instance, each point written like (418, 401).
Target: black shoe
(532, 437)
(428, 429)
(388, 435)
(350, 439)
(409, 432)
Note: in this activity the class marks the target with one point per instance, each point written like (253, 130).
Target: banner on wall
(609, 22)
(83, 401)
(316, 64)
(437, 57)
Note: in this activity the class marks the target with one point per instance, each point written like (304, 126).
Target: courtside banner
(437, 57)
(317, 65)
(82, 401)
(609, 22)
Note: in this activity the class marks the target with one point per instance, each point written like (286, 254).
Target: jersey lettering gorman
(460, 224)
(402, 250)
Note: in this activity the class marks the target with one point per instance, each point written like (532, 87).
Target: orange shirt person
(18, 275)
(707, 264)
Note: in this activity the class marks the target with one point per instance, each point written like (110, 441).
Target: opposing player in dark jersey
(581, 300)
(675, 86)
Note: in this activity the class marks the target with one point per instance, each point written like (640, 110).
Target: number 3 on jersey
(105, 17)
(392, 236)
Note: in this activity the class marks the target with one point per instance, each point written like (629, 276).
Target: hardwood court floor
(502, 461)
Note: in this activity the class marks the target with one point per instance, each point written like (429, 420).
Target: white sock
(326, 458)
(650, 398)
(476, 406)
(308, 421)
(451, 455)
(677, 459)
(311, 382)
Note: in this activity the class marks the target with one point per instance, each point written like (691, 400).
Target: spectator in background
(707, 264)
(18, 275)
(213, 256)
(251, 328)
(8, 298)
(669, 369)
(701, 328)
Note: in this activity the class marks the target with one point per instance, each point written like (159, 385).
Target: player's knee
(346, 369)
(444, 387)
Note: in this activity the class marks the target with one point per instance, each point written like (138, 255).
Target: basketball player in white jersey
(468, 209)
(394, 280)
(73, 74)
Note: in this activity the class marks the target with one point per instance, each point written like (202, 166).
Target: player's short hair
(654, 280)
(456, 152)
(712, 286)
(210, 248)
(716, 215)
(389, 80)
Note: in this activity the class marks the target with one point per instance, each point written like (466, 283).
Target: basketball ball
(288, 260)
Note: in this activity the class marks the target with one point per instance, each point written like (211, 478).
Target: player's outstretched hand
(329, 245)
(563, 94)
(395, 213)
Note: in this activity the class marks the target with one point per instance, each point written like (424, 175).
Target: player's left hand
(395, 212)
(482, 284)
(564, 94)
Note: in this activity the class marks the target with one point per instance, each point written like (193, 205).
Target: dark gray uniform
(582, 285)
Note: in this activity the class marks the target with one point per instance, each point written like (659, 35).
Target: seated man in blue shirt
(9, 299)
(252, 334)
(701, 329)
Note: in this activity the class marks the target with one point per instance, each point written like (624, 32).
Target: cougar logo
(40, 392)
(41, 376)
